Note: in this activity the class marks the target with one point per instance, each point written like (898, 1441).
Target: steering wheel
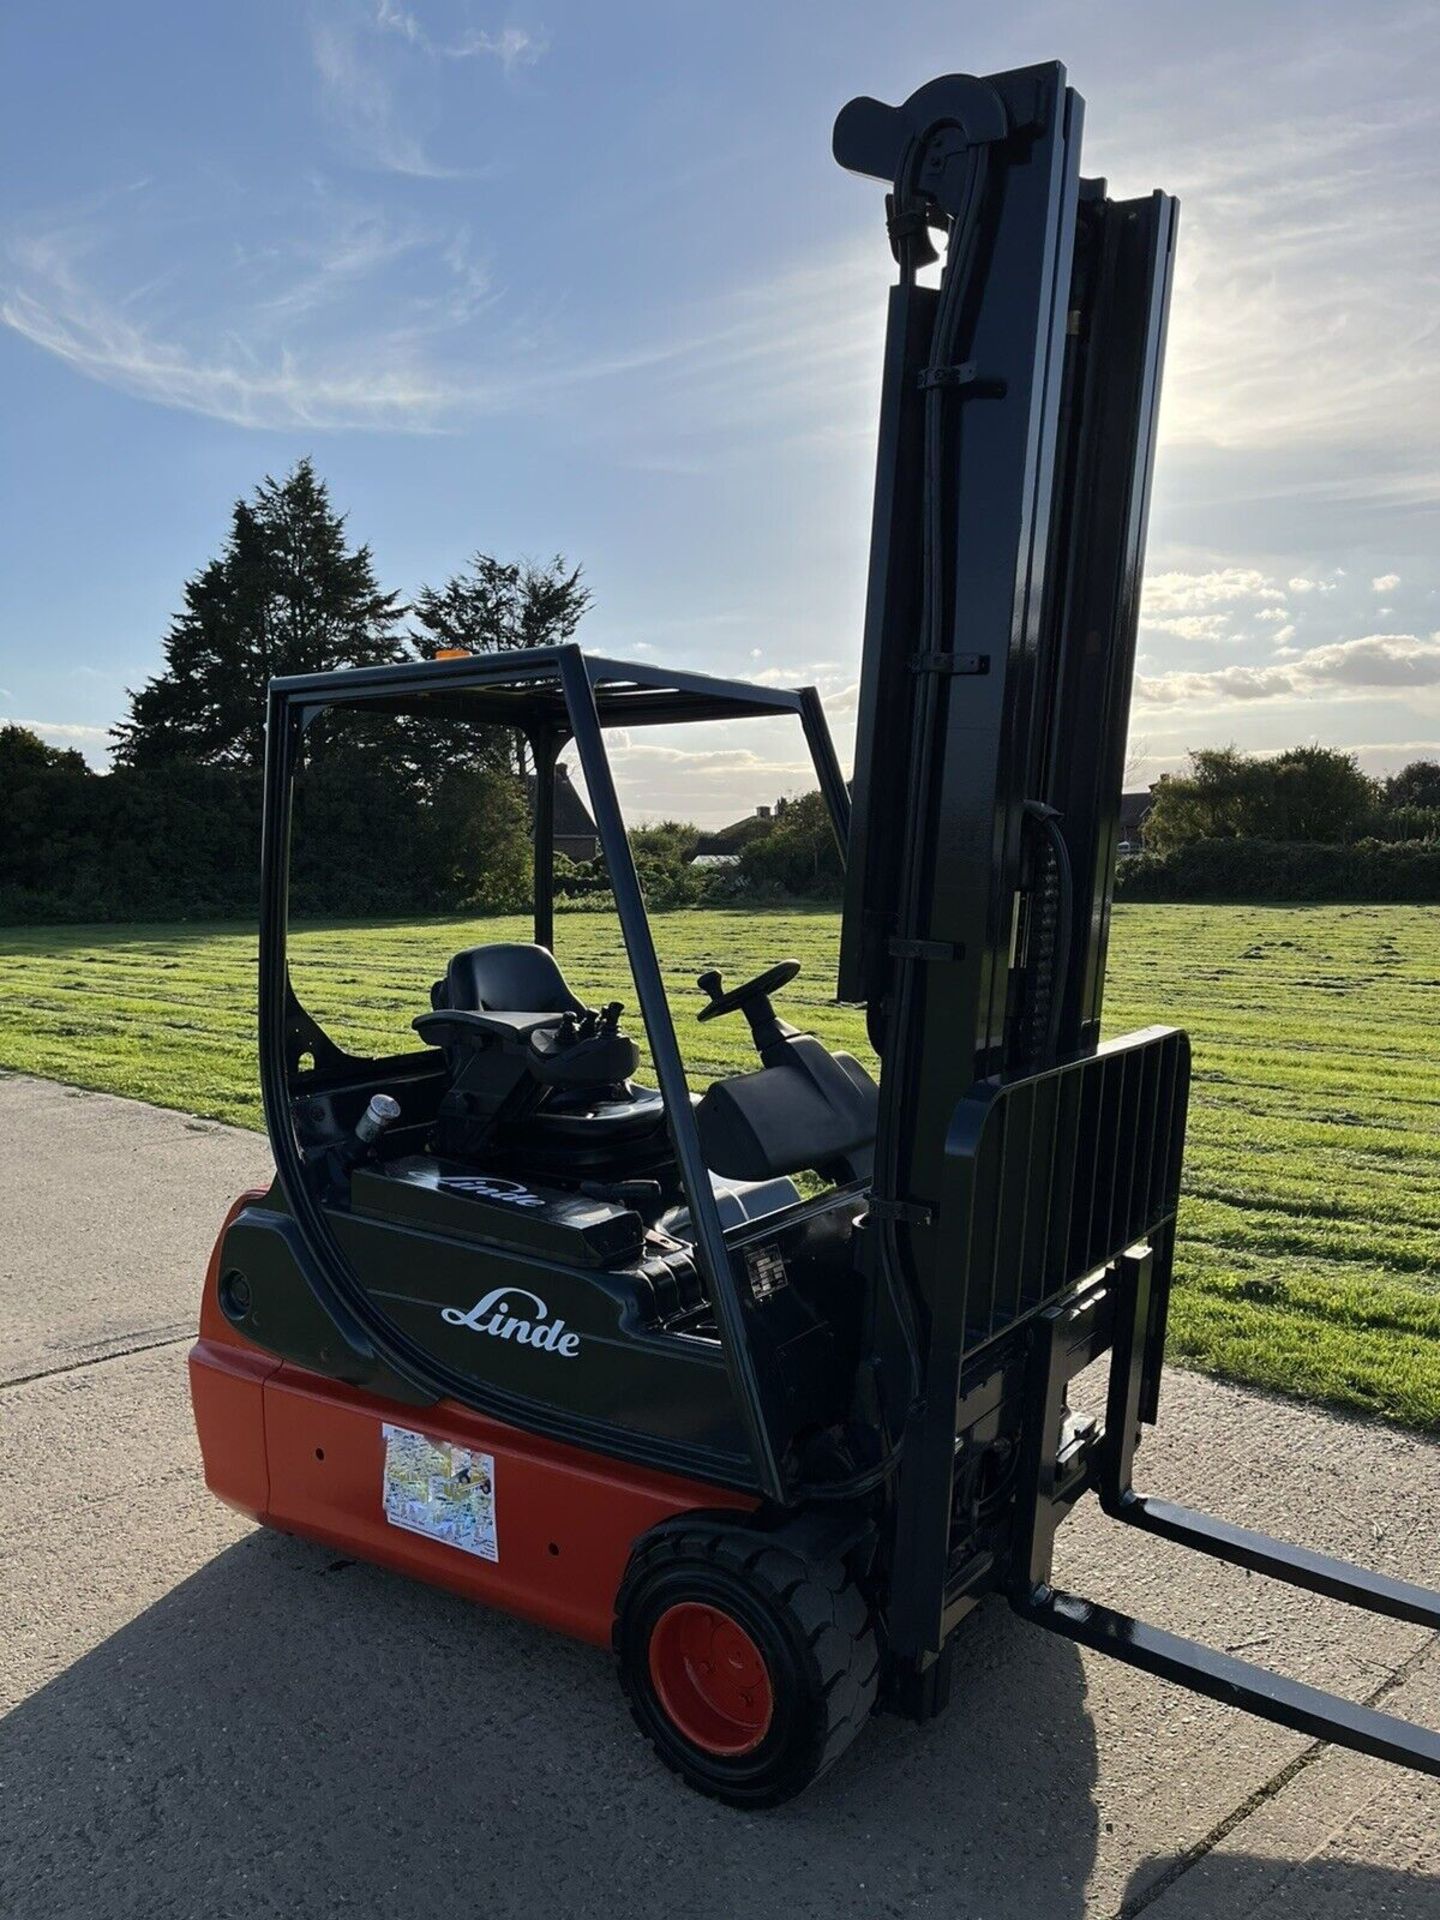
(742, 998)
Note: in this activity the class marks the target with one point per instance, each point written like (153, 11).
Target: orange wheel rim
(711, 1678)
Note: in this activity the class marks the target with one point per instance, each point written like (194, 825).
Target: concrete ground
(204, 1719)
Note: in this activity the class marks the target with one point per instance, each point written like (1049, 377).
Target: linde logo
(495, 1316)
(485, 1186)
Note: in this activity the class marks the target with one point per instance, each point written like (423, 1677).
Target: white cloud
(318, 329)
(361, 94)
(711, 786)
(1385, 582)
(54, 730)
(97, 340)
(707, 762)
(1206, 606)
(1185, 592)
(1302, 584)
(1195, 626)
(359, 103)
(1385, 665)
(512, 46)
(349, 318)
(93, 742)
(1303, 311)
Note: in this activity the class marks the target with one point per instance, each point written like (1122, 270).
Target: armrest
(462, 1023)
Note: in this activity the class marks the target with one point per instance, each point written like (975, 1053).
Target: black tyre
(749, 1666)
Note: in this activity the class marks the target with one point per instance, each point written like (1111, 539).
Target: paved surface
(204, 1719)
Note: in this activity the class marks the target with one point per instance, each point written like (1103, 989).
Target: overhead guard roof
(522, 689)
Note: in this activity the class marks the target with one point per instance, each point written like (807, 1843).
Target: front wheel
(749, 1666)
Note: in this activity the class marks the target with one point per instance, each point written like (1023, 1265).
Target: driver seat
(612, 1129)
(504, 977)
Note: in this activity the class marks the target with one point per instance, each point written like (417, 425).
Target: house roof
(1135, 808)
(572, 816)
(737, 835)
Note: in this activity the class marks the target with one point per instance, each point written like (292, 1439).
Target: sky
(556, 276)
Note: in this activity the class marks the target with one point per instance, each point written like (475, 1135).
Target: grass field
(1310, 1233)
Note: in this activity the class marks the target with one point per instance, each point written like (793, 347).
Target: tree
(1317, 794)
(1213, 801)
(287, 595)
(663, 854)
(24, 754)
(799, 855)
(1417, 785)
(493, 605)
(1305, 794)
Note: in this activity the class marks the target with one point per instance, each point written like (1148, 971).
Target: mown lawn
(1310, 1234)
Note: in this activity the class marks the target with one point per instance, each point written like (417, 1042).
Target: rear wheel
(748, 1665)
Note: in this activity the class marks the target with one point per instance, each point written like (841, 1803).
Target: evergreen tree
(287, 595)
(492, 606)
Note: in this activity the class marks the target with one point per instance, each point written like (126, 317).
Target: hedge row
(182, 842)
(1233, 870)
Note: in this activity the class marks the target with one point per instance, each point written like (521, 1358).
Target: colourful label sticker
(447, 1493)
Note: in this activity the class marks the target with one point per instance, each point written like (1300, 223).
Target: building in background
(726, 843)
(576, 835)
(1135, 810)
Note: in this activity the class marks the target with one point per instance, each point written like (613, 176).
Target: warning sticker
(445, 1492)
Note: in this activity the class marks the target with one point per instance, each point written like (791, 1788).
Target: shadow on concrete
(291, 1734)
(1250, 1887)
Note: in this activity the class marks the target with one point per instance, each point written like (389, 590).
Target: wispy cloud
(707, 785)
(512, 46)
(340, 317)
(1303, 316)
(361, 106)
(346, 315)
(381, 114)
(1384, 665)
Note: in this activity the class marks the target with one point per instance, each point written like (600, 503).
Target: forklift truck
(768, 1388)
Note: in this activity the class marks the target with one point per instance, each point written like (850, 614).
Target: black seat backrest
(505, 977)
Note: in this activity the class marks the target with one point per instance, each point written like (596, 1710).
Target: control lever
(382, 1112)
(643, 1195)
